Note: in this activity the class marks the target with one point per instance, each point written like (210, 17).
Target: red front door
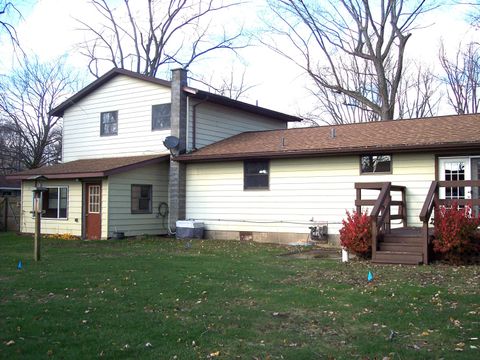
(93, 213)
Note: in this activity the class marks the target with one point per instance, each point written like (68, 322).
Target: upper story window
(141, 199)
(374, 164)
(161, 116)
(256, 174)
(109, 123)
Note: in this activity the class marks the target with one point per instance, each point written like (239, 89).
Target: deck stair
(402, 245)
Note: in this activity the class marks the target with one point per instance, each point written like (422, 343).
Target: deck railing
(433, 200)
(381, 213)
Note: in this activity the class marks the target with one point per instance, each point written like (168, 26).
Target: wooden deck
(405, 245)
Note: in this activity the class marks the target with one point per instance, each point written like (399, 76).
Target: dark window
(161, 116)
(55, 203)
(256, 174)
(372, 164)
(109, 123)
(141, 199)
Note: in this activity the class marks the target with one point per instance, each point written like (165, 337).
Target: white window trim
(58, 203)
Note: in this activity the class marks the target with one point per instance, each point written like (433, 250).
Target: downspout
(187, 124)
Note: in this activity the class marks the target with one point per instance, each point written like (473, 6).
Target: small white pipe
(344, 255)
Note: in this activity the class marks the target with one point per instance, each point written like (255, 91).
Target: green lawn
(156, 298)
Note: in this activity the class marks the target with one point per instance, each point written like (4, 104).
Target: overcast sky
(48, 29)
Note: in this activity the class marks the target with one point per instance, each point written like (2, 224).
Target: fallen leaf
(10, 343)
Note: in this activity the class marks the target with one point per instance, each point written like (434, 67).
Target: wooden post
(404, 208)
(37, 239)
(359, 197)
(425, 236)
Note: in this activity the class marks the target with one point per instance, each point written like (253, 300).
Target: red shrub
(356, 233)
(454, 229)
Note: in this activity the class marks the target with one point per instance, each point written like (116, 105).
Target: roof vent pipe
(333, 133)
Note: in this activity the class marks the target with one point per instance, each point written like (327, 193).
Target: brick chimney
(178, 123)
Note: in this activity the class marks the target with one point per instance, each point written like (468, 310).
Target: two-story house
(116, 174)
(241, 171)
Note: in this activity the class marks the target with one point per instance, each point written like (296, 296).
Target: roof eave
(328, 152)
(226, 101)
(78, 175)
(93, 174)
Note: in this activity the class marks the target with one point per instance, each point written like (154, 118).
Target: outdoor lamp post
(37, 211)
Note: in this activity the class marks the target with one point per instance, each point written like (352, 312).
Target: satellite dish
(171, 142)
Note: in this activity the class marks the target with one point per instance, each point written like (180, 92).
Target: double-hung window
(141, 199)
(161, 116)
(256, 174)
(109, 123)
(55, 202)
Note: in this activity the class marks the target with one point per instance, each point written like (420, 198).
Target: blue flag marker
(370, 276)
(20, 265)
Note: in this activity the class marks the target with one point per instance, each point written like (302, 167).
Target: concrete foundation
(265, 237)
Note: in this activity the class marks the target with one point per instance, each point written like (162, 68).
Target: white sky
(49, 30)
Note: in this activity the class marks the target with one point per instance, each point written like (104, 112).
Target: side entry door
(93, 214)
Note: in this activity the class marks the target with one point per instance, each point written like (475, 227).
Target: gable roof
(192, 92)
(60, 109)
(89, 168)
(429, 134)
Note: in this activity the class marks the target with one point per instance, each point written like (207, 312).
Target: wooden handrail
(384, 193)
(380, 215)
(425, 214)
(429, 203)
(458, 183)
(382, 205)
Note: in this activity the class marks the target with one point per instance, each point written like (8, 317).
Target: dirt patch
(316, 253)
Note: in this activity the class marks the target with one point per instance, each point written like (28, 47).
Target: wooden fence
(10, 213)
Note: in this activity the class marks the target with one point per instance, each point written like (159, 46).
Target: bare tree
(10, 147)
(474, 13)
(334, 39)
(167, 32)
(418, 93)
(233, 86)
(7, 10)
(462, 77)
(335, 107)
(26, 97)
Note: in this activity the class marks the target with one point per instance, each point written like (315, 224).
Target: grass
(158, 299)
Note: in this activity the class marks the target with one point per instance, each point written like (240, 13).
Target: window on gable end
(109, 123)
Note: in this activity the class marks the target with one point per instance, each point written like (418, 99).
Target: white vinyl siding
(133, 99)
(216, 122)
(300, 189)
(120, 217)
(71, 225)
